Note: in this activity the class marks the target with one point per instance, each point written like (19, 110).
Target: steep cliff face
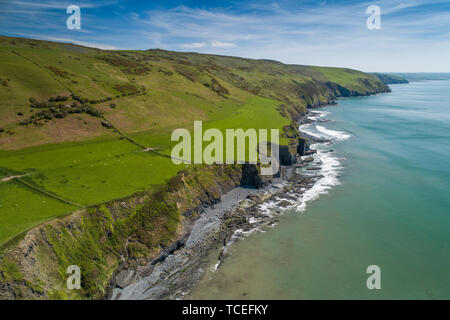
(129, 231)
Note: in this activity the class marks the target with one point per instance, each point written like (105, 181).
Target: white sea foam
(329, 163)
(252, 220)
(266, 208)
(215, 267)
(330, 167)
(307, 128)
(240, 234)
(338, 135)
(317, 115)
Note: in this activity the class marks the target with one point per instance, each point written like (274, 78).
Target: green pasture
(22, 208)
(103, 169)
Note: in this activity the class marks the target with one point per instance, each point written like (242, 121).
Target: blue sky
(414, 34)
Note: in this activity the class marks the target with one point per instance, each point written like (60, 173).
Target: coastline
(236, 215)
(324, 253)
(165, 264)
(240, 212)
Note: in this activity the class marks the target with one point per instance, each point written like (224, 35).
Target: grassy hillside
(68, 115)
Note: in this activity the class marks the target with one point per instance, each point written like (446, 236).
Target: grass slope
(67, 151)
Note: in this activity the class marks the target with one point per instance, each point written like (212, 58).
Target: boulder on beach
(124, 278)
(284, 203)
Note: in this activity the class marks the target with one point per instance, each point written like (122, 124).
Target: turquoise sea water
(391, 208)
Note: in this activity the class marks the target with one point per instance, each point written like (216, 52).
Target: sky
(414, 35)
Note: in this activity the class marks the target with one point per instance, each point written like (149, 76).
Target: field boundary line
(123, 134)
(48, 194)
(46, 70)
(146, 149)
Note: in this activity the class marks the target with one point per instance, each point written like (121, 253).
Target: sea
(381, 203)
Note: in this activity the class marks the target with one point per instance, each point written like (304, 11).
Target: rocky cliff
(102, 239)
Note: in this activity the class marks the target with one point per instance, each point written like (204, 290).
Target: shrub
(93, 112)
(77, 109)
(126, 87)
(57, 99)
(26, 122)
(106, 124)
(58, 72)
(60, 115)
(42, 104)
(79, 99)
(60, 111)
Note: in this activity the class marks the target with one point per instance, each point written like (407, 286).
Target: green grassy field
(22, 208)
(146, 95)
(100, 170)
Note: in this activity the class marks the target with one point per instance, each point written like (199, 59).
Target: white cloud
(323, 34)
(220, 44)
(194, 45)
(326, 33)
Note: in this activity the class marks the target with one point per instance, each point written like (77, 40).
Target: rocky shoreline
(174, 273)
(240, 212)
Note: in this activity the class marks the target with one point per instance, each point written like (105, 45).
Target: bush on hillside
(79, 99)
(41, 104)
(58, 72)
(57, 99)
(106, 124)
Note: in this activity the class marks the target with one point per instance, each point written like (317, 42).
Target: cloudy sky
(414, 34)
